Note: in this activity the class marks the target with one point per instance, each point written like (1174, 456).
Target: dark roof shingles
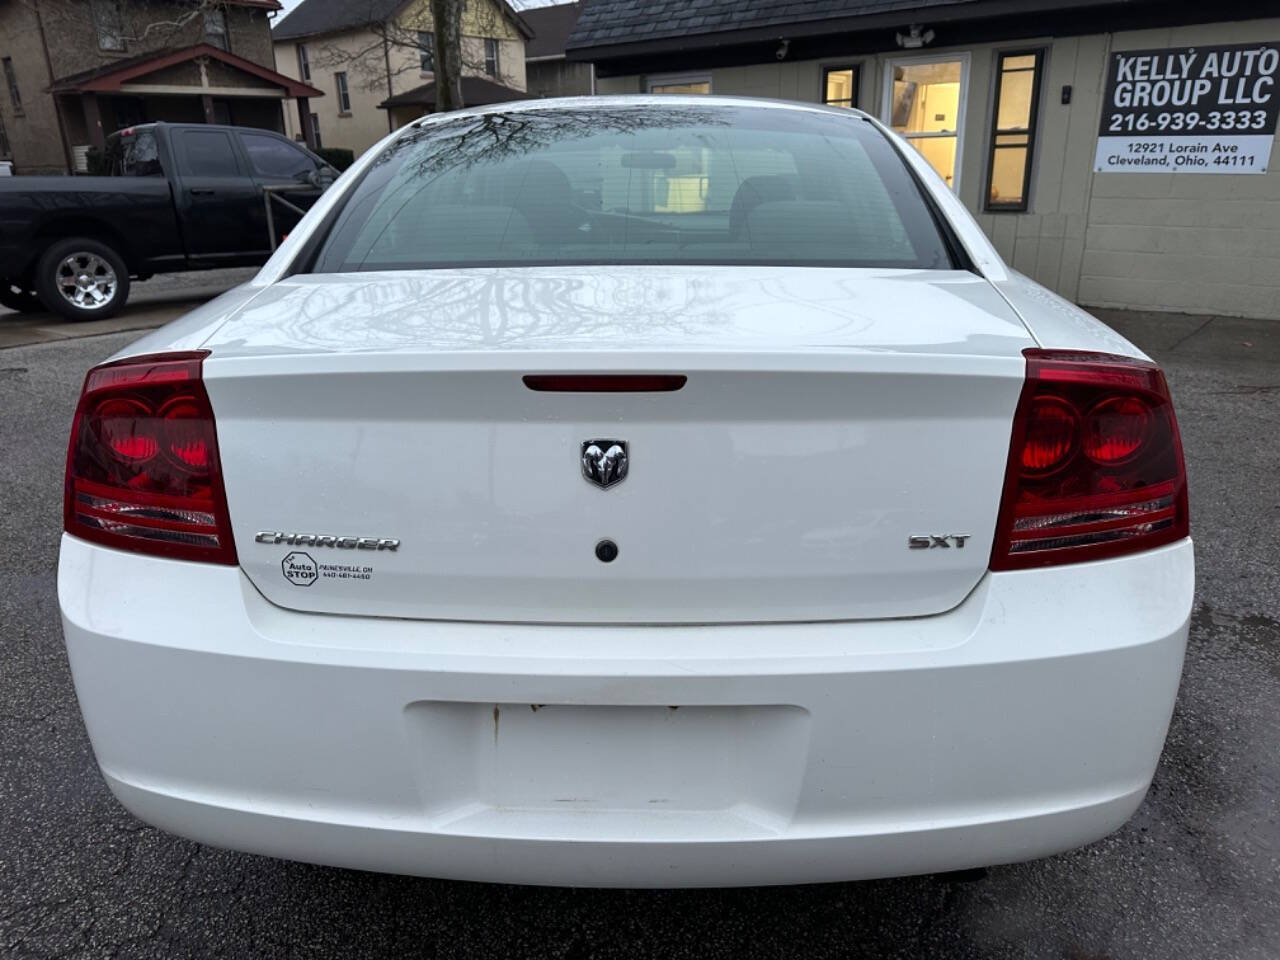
(551, 27)
(476, 92)
(329, 16)
(603, 22)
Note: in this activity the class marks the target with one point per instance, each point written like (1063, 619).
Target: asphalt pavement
(1195, 874)
(152, 303)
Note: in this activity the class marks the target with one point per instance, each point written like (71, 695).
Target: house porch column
(304, 122)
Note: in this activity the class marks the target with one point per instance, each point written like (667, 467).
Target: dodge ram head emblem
(604, 462)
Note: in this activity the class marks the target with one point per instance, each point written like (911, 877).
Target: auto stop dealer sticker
(1190, 110)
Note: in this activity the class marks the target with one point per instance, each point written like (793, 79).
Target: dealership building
(1120, 153)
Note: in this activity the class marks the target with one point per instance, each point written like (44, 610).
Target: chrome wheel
(86, 281)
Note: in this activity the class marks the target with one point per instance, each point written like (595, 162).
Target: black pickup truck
(178, 197)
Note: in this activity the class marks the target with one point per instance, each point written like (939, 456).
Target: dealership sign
(1190, 110)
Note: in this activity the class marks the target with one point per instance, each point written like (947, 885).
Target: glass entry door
(924, 102)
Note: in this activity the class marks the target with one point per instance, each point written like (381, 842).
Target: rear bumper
(1026, 721)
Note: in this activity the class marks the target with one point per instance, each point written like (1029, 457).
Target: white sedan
(631, 492)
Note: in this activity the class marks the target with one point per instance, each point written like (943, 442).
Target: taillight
(142, 469)
(1095, 466)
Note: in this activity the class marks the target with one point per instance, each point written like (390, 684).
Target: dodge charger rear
(633, 492)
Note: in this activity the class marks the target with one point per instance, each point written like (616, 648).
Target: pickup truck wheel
(82, 279)
(17, 297)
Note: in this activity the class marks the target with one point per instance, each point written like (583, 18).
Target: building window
(924, 102)
(840, 86)
(304, 65)
(427, 51)
(1013, 130)
(109, 22)
(6, 152)
(215, 29)
(680, 83)
(344, 96)
(491, 64)
(11, 78)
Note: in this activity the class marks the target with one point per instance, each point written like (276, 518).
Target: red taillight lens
(121, 425)
(1051, 435)
(1095, 466)
(188, 435)
(1116, 429)
(142, 469)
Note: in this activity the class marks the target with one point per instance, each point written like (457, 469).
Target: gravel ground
(1194, 874)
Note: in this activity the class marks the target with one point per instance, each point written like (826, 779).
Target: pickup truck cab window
(134, 155)
(208, 153)
(272, 157)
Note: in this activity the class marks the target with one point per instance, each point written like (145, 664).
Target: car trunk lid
(826, 416)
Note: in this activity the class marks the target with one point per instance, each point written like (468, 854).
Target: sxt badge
(299, 569)
(932, 541)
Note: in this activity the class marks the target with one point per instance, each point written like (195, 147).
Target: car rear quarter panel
(1057, 323)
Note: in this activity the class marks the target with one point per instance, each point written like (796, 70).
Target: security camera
(781, 52)
(915, 38)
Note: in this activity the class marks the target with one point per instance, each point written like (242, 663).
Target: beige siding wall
(1153, 241)
(348, 53)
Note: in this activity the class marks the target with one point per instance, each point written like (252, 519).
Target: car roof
(133, 128)
(668, 100)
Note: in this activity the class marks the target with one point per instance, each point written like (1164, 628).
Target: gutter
(955, 11)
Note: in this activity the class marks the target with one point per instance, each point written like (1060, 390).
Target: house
(1117, 151)
(77, 70)
(548, 72)
(376, 58)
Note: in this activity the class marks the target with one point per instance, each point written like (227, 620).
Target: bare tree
(447, 19)
(394, 43)
(136, 25)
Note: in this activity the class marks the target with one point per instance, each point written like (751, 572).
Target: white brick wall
(1185, 242)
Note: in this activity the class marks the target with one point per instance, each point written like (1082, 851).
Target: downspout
(386, 56)
(57, 104)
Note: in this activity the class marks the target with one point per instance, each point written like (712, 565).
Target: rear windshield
(133, 154)
(638, 184)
